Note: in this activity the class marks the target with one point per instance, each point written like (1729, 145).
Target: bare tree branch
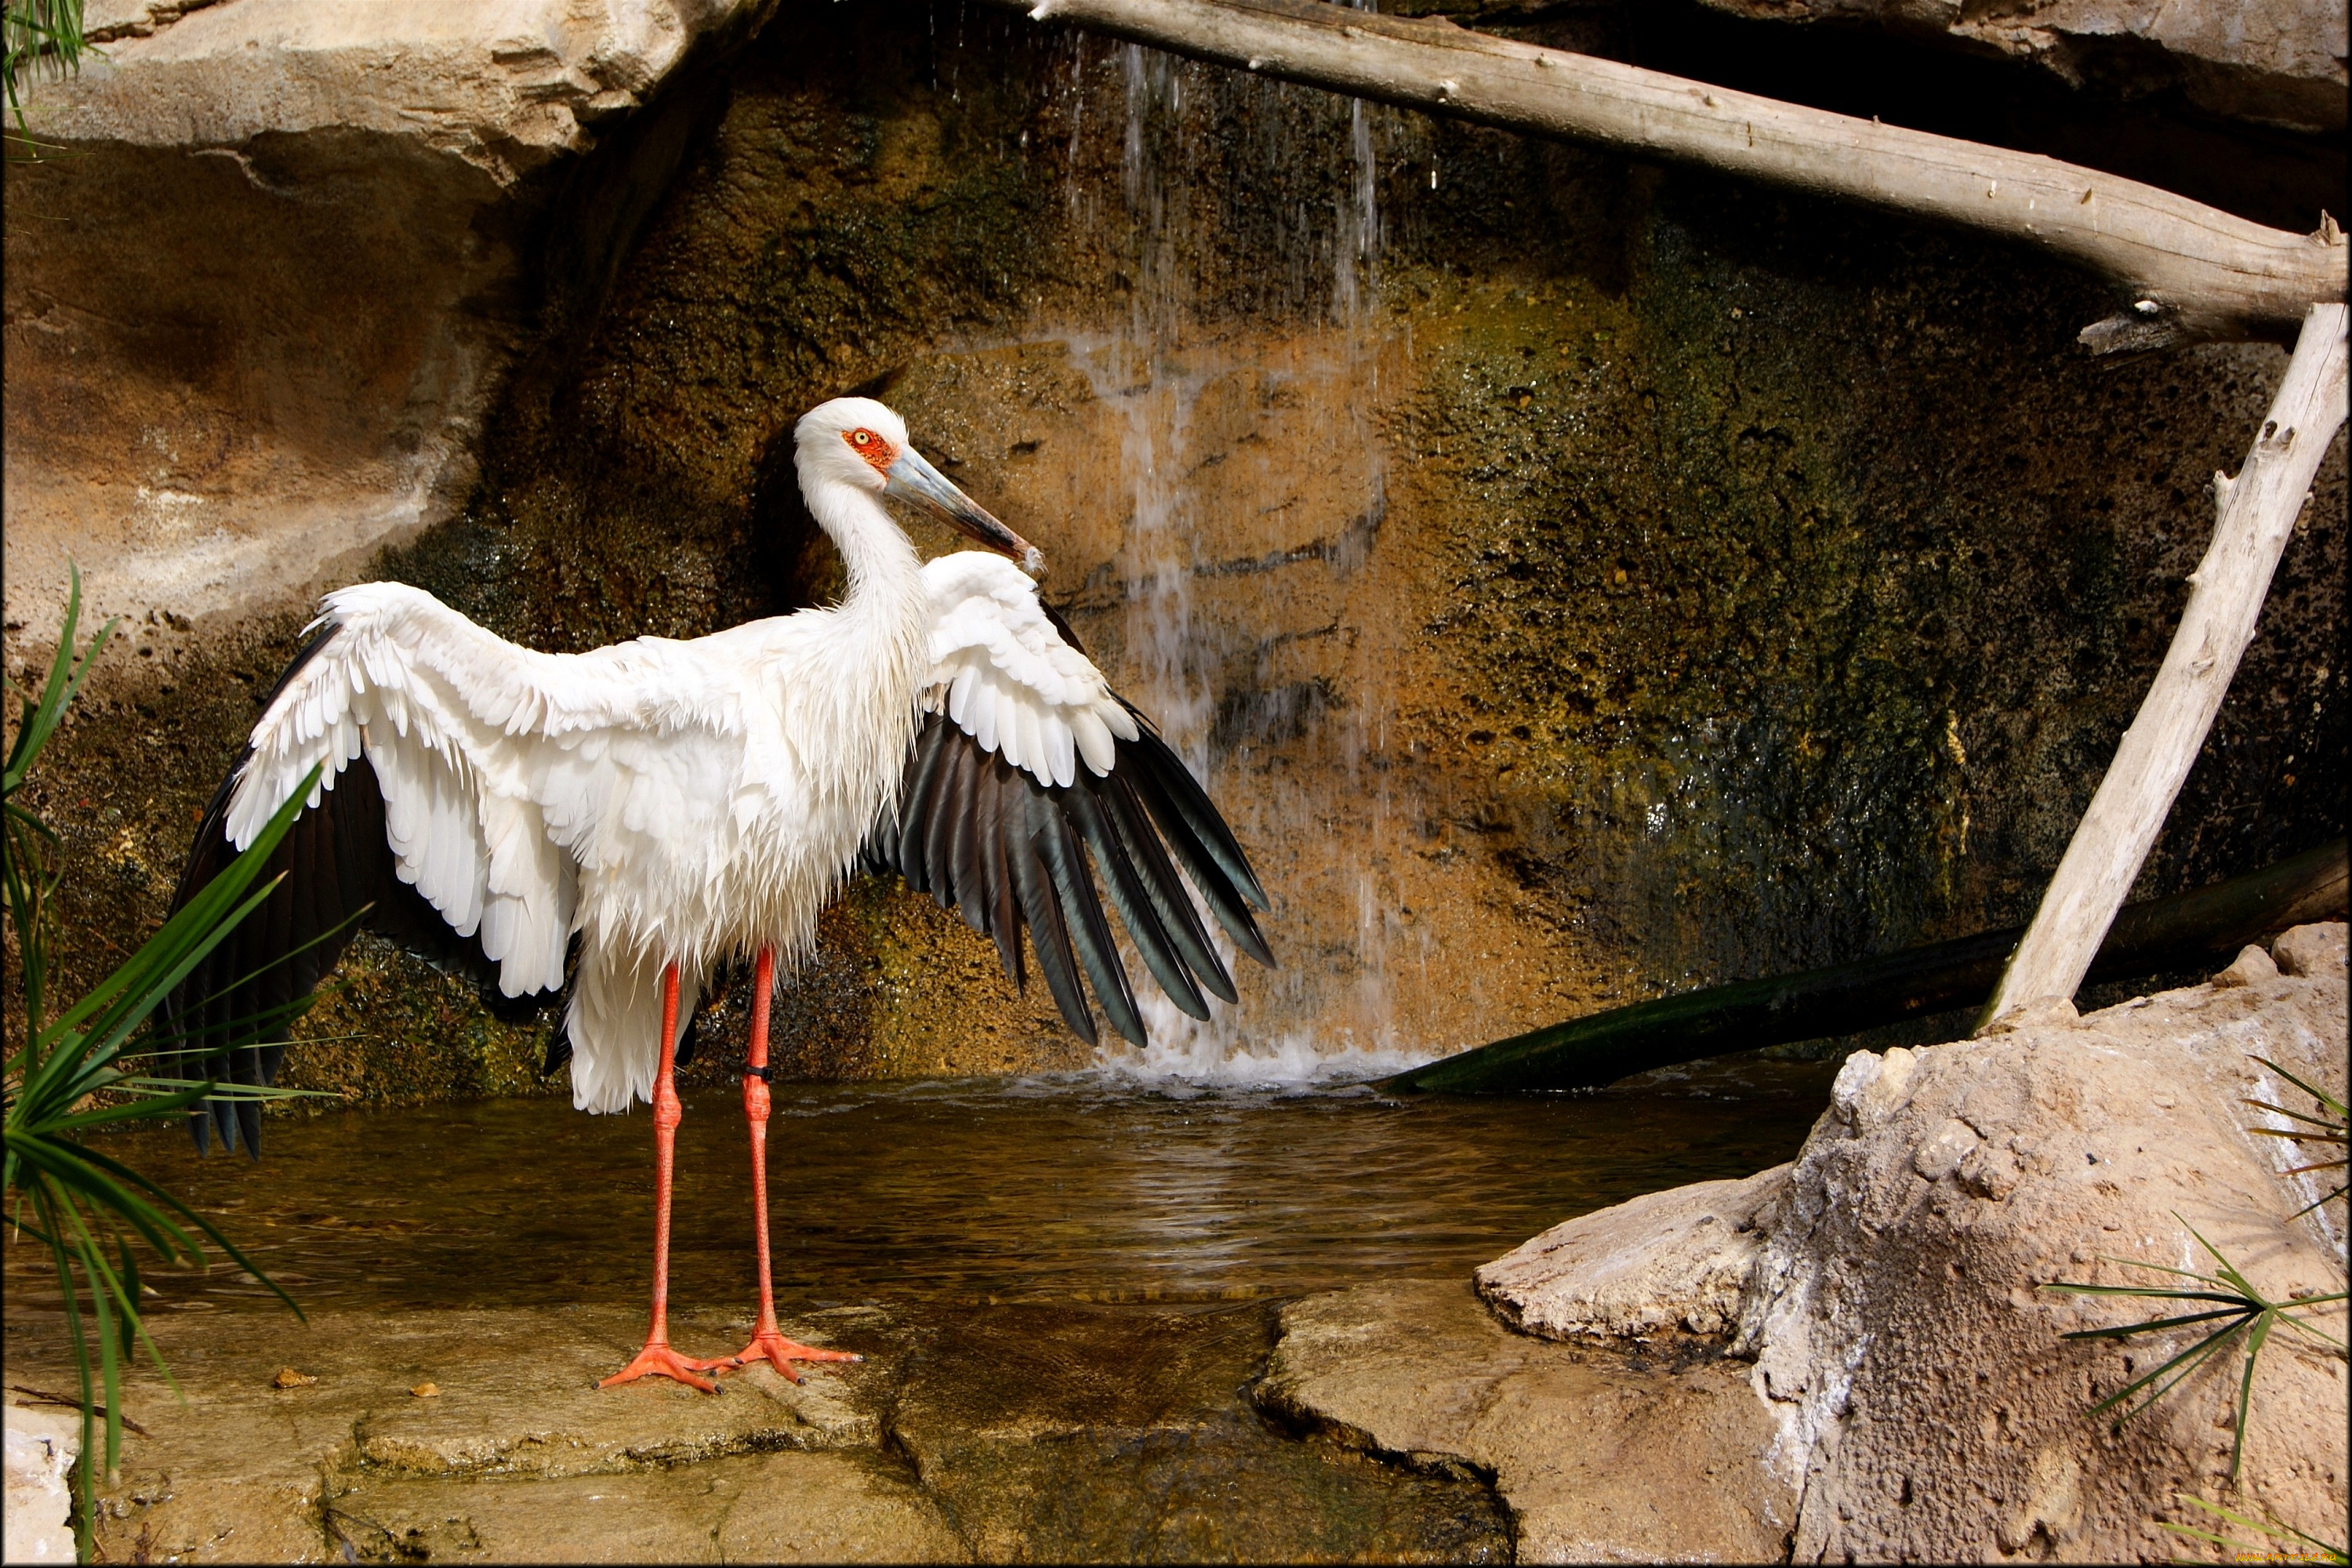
(2257, 512)
(2186, 272)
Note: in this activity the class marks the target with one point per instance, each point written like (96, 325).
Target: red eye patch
(872, 448)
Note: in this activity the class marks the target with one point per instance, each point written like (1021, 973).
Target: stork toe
(770, 1344)
(657, 1360)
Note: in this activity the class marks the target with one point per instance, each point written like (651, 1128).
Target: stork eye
(877, 453)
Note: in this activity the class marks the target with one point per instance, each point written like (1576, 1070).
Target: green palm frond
(40, 37)
(2274, 1539)
(2327, 1122)
(66, 1077)
(2241, 1312)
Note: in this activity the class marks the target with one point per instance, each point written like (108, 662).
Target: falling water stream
(1331, 1016)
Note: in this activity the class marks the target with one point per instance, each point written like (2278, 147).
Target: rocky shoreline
(1903, 1389)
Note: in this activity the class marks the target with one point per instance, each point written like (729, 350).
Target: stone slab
(1600, 1458)
(41, 1446)
(1671, 1260)
(751, 1507)
(246, 1470)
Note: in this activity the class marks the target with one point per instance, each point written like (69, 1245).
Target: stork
(621, 822)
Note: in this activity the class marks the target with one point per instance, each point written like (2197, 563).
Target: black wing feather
(931, 752)
(1177, 916)
(939, 838)
(999, 798)
(986, 839)
(1200, 813)
(1224, 899)
(1089, 933)
(1128, 896)
(963, 839)
(1048, 933)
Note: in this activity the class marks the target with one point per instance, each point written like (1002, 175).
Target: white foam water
(1196, 1060)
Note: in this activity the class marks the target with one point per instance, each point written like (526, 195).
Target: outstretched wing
(1026, 756)
(464, 783)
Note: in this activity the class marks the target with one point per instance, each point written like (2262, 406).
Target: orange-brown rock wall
(1574, 578)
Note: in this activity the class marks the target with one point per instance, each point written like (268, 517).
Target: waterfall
(1312, 336)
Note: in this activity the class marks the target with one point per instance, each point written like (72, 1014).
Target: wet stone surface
(1006, 1433)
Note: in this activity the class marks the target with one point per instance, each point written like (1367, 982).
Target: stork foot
(770, 1344)
(657, 1360)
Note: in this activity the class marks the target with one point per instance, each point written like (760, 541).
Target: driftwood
(2147, 938)
(2186, 272)
(2256, 515)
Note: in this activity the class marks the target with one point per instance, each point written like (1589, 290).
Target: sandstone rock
(2278, 62)
(1037, 1432)
(243, 1471)
(2316, 951)
(751, 1507)
(1927, 1406)
(1599, 1460)
(41, 1446)
(2251, 965)
(2057, 1012)
(503, 86)
(1676, 1260)
(280, 274)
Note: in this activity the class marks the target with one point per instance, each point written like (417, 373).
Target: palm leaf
(88, 1207)
(2240, 1309)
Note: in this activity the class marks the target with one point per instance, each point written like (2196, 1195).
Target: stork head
(857, 442)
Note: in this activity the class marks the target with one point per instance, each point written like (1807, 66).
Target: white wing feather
(505, 772)
(635, 795)
(1004, 674)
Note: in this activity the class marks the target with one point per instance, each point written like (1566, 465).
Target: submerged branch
(2162, 933)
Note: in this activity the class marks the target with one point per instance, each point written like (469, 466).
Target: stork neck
(885, 573)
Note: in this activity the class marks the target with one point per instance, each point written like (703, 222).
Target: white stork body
(666, 801)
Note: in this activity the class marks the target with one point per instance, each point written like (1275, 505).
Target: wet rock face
(1571, 579)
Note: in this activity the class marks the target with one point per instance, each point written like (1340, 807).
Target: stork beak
(912, 478)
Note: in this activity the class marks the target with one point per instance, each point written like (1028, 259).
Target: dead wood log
(2186, 272)
(2256, 513)
(2147, 938)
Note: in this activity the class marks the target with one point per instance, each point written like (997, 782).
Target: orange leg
(767, 1339)
(657, 1360)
